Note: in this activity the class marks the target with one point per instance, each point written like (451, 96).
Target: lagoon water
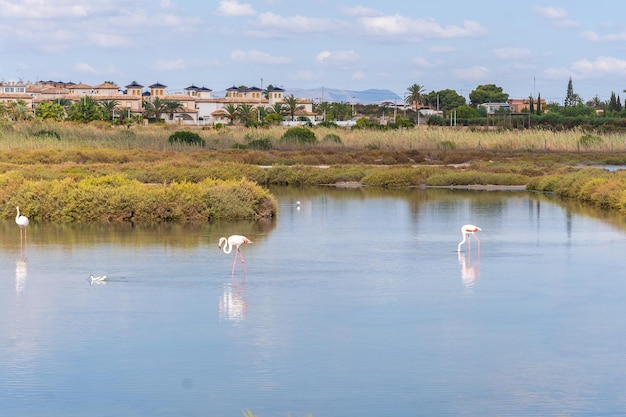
(354, 303)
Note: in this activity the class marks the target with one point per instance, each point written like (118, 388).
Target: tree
(340, 111)
(531, 108)
(539, 104)
(278, 108)
(291, 102)
(154, 108)
(466, 112)
(449, 100)
(488, 93)
(231, 112)
(570, 99)
(109, 107)
(245, 113)
(414, 98)
(86, 110)
(172, 106)
(323, 109)
(50, 110)
(18, 110)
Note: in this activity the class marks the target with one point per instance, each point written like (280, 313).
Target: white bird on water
(22, 222)
(467, 231)
(97, 279)
(234, 241)
(20, 219)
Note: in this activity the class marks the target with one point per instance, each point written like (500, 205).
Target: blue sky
(524, 47)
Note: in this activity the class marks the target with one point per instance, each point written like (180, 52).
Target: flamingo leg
(242, 261)
(235, 262)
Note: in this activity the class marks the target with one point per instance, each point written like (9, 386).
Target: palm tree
(171, 107)
(278, 108)
(154, 108)
(86, 110)
(231, 112)
(292, 105)
(262, 112)
(414, 98)
(245, 112)
(19, 111)
(323, 109)
(109, 107)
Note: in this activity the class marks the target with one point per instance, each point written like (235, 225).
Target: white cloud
(472, 73)
(423, 62)
(592, 36)
(276, 25)
(442, 49)
(601, 66)
(106, 40)
(359, 75)
(402, 28)
(86, 68)
(305, 76)
(338, 59)
(557, 15)
(169, 65)
(512, 53)
(360, 11)
(257, 57)
(552, 13)
(234, 8)
(60, 25)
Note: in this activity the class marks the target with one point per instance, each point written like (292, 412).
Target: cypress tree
(539, 104)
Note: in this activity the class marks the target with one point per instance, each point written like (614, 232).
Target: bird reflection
(232, 304)
(21, 272)
(469, 269)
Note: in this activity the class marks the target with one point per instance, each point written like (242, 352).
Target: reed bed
(66, 135)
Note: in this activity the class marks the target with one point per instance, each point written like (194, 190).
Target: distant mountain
(372, 96)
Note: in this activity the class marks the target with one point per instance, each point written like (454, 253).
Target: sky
(527, 48)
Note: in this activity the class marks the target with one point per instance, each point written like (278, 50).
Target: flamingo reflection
(21, 272)
(469, 269)
(232, 304)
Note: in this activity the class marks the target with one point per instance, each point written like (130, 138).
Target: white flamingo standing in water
(22, 222)
(467, 231)
(234, 241)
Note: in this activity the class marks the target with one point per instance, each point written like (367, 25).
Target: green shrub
(261, 144)
(446, 145)
(588, 141)
(47, 133)
(333, 138)
(186, 137)
(299, 135)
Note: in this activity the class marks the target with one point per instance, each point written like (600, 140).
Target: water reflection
(21, 272)
(469, 269)
(232, 304)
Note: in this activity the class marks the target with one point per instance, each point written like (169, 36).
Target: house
(198, 104)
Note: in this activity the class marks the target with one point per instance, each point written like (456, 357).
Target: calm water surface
(354, 304)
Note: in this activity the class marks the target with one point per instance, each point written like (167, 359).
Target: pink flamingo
(234, 241)
(467, 231)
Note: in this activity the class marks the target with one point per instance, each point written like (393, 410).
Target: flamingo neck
(227, 248)
(458, 249)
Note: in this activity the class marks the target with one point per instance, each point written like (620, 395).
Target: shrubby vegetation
(600, 188)
(116, 198)
(99, 172)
